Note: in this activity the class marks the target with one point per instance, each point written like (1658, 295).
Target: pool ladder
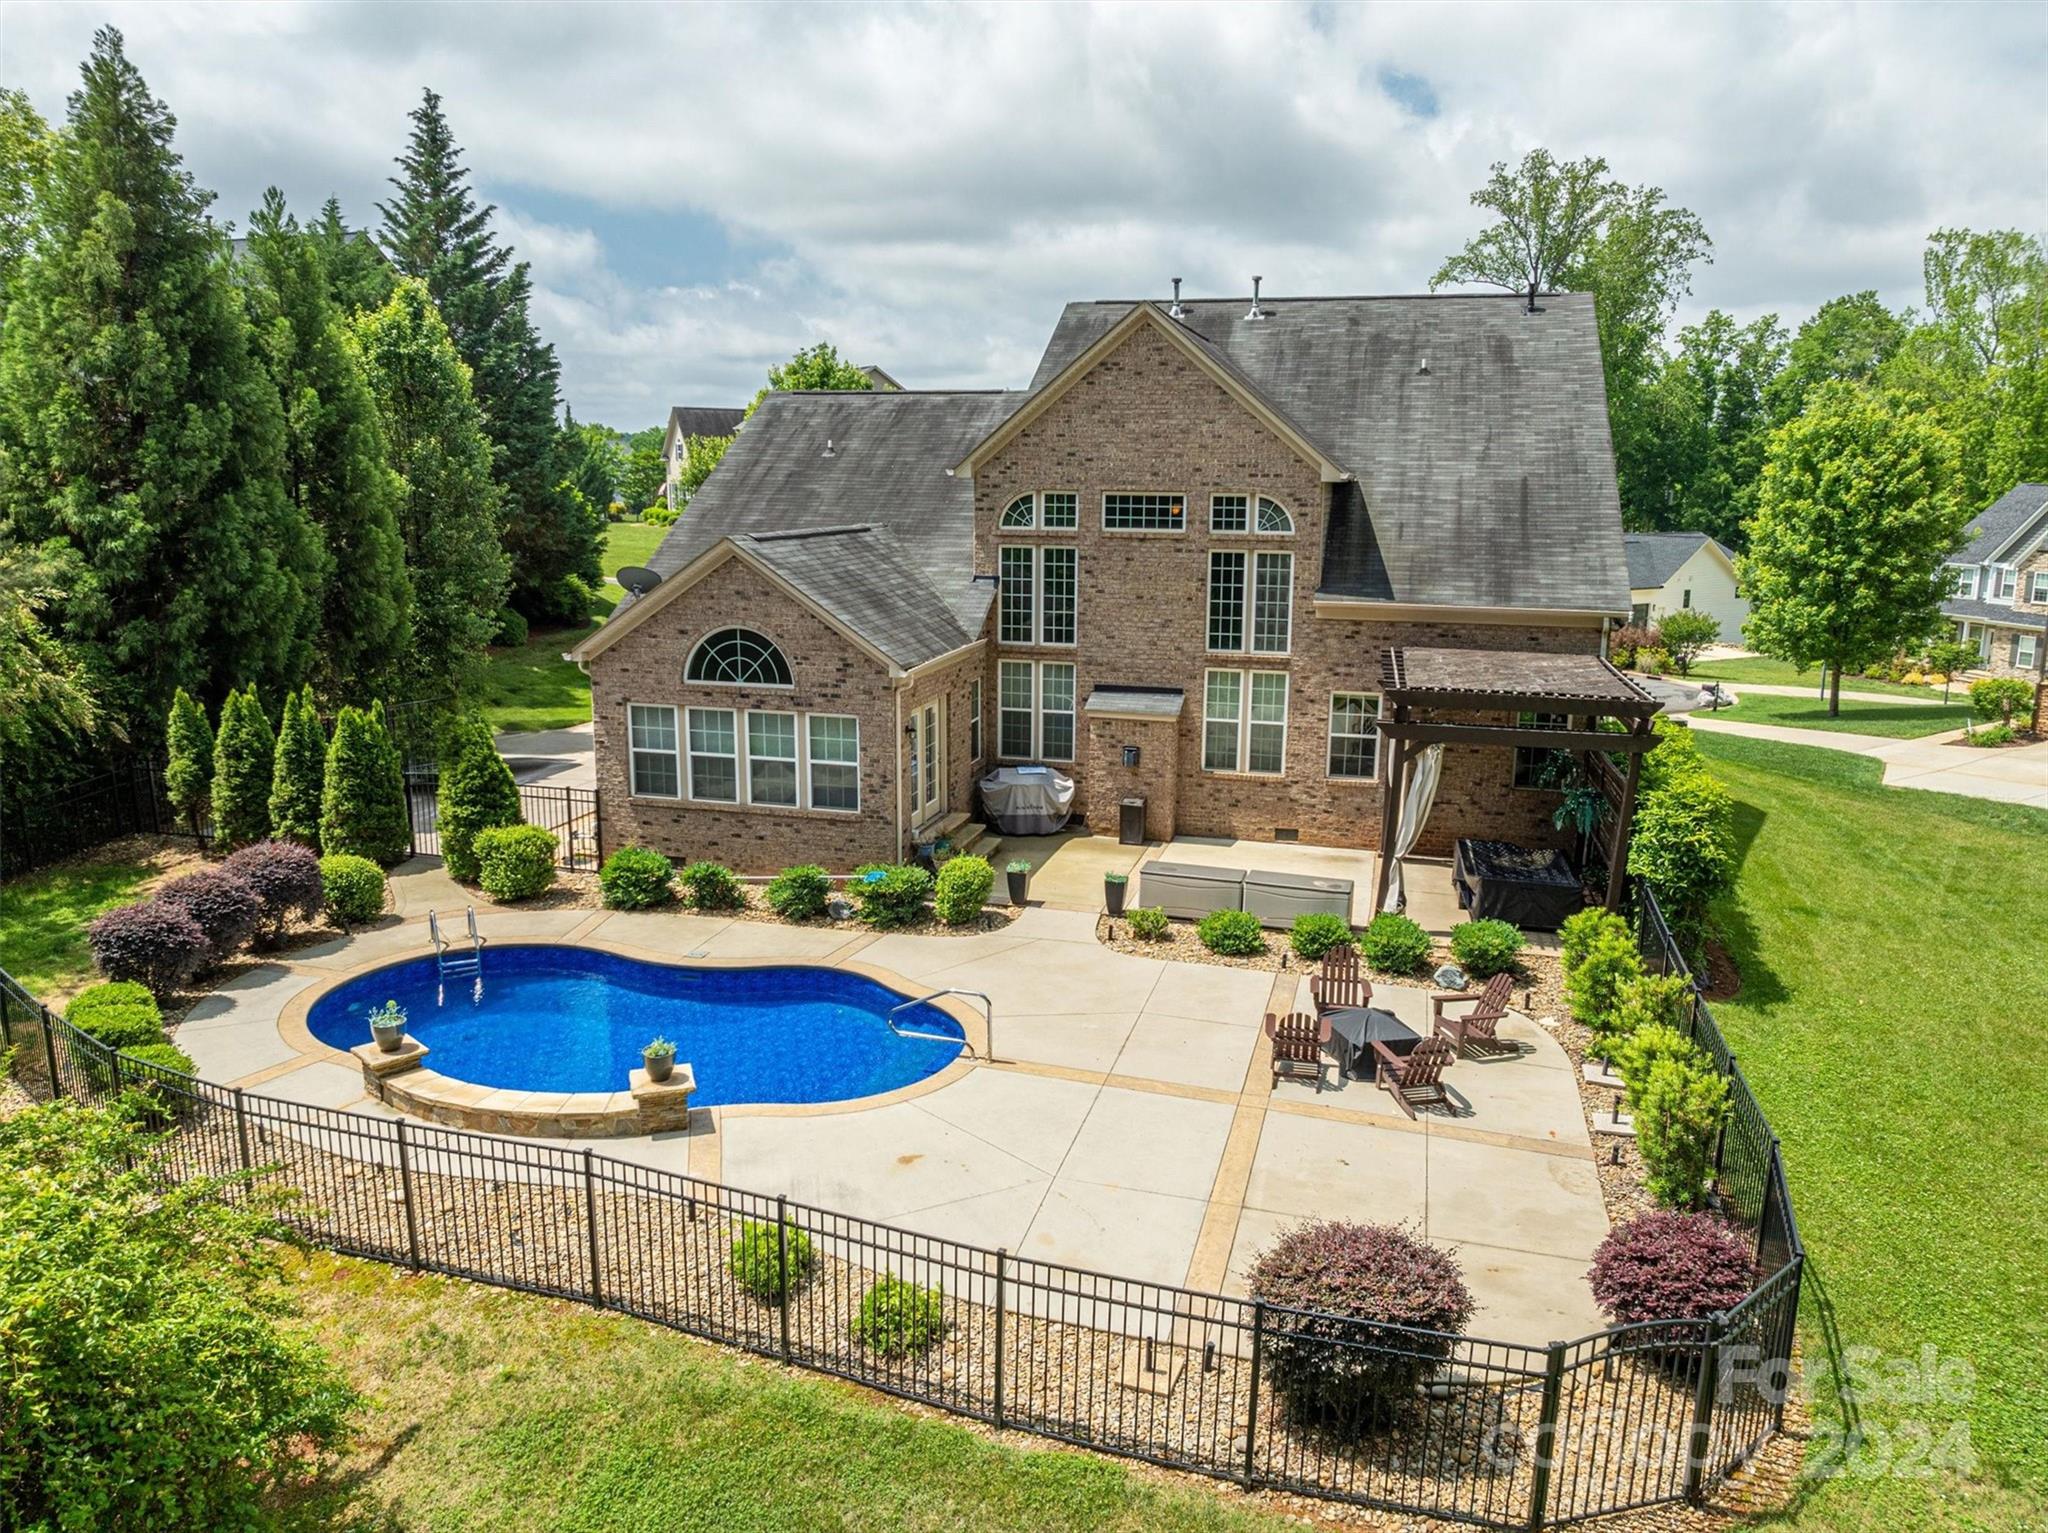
(988, 1015)
(452, 960)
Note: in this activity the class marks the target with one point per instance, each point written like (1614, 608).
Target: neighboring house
(1683, 571)
(684, 422)
(882, 380)
(2001, 592)
(1170, 568)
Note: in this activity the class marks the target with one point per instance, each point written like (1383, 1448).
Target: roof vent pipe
(829, 453)
(1256, 312)
(1177, 311)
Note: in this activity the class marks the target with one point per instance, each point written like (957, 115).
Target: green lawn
(533, 687)
(503, 1412)
(43, 917)
(1903, 721)
(1780, 673)
(1890, 1020)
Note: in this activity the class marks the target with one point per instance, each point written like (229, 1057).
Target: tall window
(1013, 709)
(1055, 711)
(771, 759)
(1226, 599)
(835, 761)
(1354, 735)
(2025, 650)
(1272, 603)
(974, 719)
(1222, 713)
(654, 761)
(1144, 513)
(2037, 586)
(1229, 513)
(1016, 566)
(714, 756)
(1057, 584)
(1060, 508)
(1270, 600)
(1244, 722)
(1266, 740)
(1532, 763)
(738, 657)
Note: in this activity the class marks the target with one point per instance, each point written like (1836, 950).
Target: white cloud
(931, 184)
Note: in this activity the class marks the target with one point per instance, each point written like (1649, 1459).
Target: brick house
(2000, 603)
(1195, 534)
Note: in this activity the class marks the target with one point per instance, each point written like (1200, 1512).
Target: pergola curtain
(1415, 807)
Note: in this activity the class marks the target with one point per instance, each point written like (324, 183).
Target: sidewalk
(2015, 775)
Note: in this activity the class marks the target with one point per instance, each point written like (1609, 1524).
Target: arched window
(1019, 513)
(1273, 516)
(738, 657)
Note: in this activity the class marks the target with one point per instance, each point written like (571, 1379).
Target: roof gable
(1654, 557)
(2008, 526)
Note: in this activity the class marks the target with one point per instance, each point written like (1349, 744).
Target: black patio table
(1361, 1027)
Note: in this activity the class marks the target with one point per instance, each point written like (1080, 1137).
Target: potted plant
(1113, 885)
(660, 1059)
(1019, 875)
(387, 1026)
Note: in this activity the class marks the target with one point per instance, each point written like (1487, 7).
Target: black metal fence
(126, 799)
(572, 814)
(1503, 1434)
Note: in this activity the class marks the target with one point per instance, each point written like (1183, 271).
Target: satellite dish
(638, 579)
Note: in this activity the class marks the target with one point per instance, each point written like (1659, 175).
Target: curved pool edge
(599, 1115)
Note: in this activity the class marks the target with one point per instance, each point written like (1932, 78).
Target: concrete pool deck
(1127, 1124)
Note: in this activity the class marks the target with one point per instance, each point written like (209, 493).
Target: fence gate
(571, 813)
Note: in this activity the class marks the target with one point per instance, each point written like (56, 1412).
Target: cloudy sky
(703, 189)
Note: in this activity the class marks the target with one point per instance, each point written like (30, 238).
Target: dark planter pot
(390, 1036)
(1113, 894)
(659, 1066)
(1020, 883)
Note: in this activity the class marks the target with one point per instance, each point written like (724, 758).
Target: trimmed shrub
(1679, 1109)
(354, 888)
(635, 878)
(1683, 842)
(300, 773)
(285, 878)
(1232, 933)
(895, 898)
(121, 1015)
(244, 753)
(1653, 659)
(800, 893)
(1990, 735)
(188, 774)
(1685, 633)
(362, 804)
(962, 889)
(1593, 989)
(1649, 1001)
(513, 631)
(1998, 697)
(227, 910)
(1641, 1051)
(165, 1056)
(1582, 929)
(515, 862)
(1347, 1366)
(477, 793)
(757, 1260)
(1147, 921)
(1312, 936)
(899, 1319)
(713, 886)
(1672, 1266)
(1485, 948)
(1394, 944)
(155, 943)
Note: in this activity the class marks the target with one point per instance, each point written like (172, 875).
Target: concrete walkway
(2009, 775)
(1130, 1126)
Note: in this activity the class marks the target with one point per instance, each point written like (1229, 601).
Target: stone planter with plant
(387, 1026)
(659, 1057)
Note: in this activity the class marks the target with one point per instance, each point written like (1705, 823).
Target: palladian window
(738, 657)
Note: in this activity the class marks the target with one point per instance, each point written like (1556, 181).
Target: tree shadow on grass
(1731, 919)
(340, 1499)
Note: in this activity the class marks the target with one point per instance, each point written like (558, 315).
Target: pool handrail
(988, 1017)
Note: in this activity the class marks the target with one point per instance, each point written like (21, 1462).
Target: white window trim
(633, 751)
(1250, 501)
(1244, 722)
(806, 764)
(1966, 581)
(1031, 708)
(1044, 525)
(976, 727)
(1373, 734)
(798, 729)
(2000, 574)
(1146, 532)
(2037, 586)
(1036, 669)
(1030, 522)
(743, 760)
(1248, 618)
(1040, 615)
(2026, 651)
(1030, 554)
(740, 686)
(738, 758)
(1280, 506)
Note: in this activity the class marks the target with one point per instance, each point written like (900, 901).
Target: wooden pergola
(1417, 686)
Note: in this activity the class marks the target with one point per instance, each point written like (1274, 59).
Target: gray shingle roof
(1154, 702)
(2001, 521)
(1487, 480)
(905, 582)
(1654, 557)
(2001, 613)
(704, 420)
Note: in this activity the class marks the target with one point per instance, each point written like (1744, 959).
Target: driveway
(561, 758)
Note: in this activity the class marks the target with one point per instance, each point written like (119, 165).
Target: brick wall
(1156, 777)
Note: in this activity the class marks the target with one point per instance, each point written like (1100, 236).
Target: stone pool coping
(427, 1094)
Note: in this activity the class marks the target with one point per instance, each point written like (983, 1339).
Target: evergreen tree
(447, 504)
(362, 806)
(301, 772)
(594, 452)
(188, 778)
(477, 792)
(434, 230)
(334, 460)
(137, 426)
(24, 152)
(244, 758)
(358, 276)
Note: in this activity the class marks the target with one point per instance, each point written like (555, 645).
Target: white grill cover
(1027, 800)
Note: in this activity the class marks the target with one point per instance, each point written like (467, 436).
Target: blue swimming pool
(575, 1019)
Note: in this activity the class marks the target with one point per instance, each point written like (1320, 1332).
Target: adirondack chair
(1298, 1040)
(1340, 983)
(1478, 1024)
(1416, 1078)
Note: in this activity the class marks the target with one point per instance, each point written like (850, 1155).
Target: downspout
(896, 746)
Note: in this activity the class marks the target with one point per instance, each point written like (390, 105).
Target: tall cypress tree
(334, 458)
(188, 776)
(435, 230)
(137, 426)
(358, 276)
(448, 507)
(300, 775)
(362, 808)
(244, 756)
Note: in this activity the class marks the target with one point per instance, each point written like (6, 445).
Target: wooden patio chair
(1340, 984)
(1478, 1024)
(1416, 1078)
(1298, 1040)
